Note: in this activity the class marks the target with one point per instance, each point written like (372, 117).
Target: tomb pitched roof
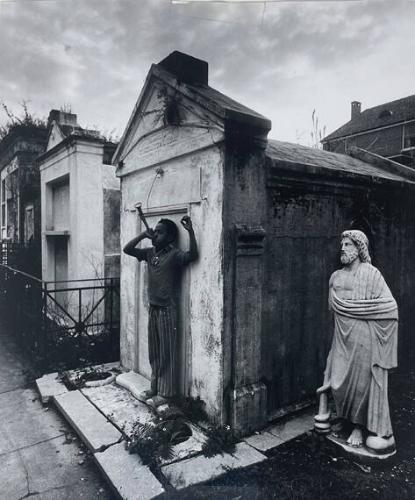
(320, 161)
(197, 90)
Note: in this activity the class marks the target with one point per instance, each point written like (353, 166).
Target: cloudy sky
(282, 59)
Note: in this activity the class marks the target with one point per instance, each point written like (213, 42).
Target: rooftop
(376, 117)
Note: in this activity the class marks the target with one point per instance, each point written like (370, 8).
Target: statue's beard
(348, 256)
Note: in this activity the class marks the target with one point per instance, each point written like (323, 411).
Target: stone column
(249, 397)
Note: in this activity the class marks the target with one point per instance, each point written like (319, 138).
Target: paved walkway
(39, 455)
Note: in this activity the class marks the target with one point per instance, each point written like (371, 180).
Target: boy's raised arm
(193, 249)
(130, 247)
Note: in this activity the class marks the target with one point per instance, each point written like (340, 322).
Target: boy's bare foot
(156, 401)
(356, 438)
(144, 395)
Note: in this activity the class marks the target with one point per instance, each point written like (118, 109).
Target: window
(409, 136)
(386, 113)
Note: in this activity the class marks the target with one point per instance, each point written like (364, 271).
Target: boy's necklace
(155, 260)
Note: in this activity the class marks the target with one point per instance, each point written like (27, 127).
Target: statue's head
(354, 245)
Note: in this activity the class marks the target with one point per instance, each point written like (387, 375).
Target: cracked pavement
(40, 457)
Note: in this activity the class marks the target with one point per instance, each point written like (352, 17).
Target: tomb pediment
(55, 136)
(177, 113)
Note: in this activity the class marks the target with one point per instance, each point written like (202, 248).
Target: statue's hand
(323, 388)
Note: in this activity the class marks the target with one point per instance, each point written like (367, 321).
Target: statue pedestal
(363, 454)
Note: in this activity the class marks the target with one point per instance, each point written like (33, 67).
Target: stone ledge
(134, 382)
(50, 385)
(201, 469)
(128, 476)
(91, 426)
(264, 441)
(294, 426)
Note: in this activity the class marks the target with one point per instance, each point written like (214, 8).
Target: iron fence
(63, 324)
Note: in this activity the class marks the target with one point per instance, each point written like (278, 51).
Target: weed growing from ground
(219, 440)
(154, 440)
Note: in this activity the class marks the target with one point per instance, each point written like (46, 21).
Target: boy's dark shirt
(164, 268)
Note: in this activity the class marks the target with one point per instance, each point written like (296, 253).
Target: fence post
(111, 303)
(43, 321)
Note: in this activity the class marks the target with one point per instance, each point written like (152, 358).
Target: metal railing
(62, 324)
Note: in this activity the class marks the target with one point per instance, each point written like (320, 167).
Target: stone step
(89, 423)
(128, 476)
(124, 410)
(201, 469)
(50, 385)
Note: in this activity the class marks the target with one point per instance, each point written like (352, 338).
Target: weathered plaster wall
(305, 219)
(88, 196)
(303, 216)
(191, 181)
(193, 184)
(244, 220)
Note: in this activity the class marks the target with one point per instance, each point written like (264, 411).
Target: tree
(25, 119)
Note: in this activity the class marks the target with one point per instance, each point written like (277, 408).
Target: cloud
(284, 62)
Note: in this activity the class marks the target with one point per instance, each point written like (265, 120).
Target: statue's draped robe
(364, 348)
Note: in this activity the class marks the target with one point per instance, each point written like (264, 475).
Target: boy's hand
(187, 223)
(149, 233)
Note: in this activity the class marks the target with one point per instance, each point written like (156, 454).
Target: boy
(165, 262)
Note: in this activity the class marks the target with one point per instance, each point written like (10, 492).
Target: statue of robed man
(364, 345)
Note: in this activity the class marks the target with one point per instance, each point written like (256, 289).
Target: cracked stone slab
(89, 423)
(264, 441)
(128, 476)
(134, 382)
(50, 385)
(123, 410)
(201, 469)
(294, 426)
(119, 406)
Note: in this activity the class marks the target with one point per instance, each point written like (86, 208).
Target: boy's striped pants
(162, 349)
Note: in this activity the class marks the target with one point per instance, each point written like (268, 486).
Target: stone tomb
(267, 216)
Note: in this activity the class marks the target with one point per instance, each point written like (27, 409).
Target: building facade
(387, 130)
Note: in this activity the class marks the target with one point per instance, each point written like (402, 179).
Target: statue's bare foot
(356, 437)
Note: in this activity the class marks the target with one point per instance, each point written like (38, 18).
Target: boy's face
(161, 236)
